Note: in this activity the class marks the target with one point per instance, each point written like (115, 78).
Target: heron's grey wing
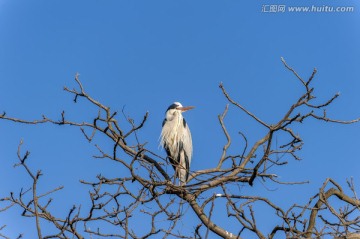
(187, 142)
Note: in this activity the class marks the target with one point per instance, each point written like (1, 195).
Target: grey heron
(176, 140)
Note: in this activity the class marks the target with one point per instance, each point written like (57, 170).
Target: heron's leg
(175, 175)
(182, 183)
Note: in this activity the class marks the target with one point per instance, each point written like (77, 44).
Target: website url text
(324, 8)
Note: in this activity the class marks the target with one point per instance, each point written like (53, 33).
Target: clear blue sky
(146, 54)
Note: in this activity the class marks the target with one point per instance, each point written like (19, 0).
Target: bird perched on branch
(176, 139)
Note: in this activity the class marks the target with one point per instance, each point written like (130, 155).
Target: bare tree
(145, 189)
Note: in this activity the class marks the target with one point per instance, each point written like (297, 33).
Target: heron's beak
(185, 108)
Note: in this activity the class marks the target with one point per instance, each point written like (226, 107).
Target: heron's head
(175, 110)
